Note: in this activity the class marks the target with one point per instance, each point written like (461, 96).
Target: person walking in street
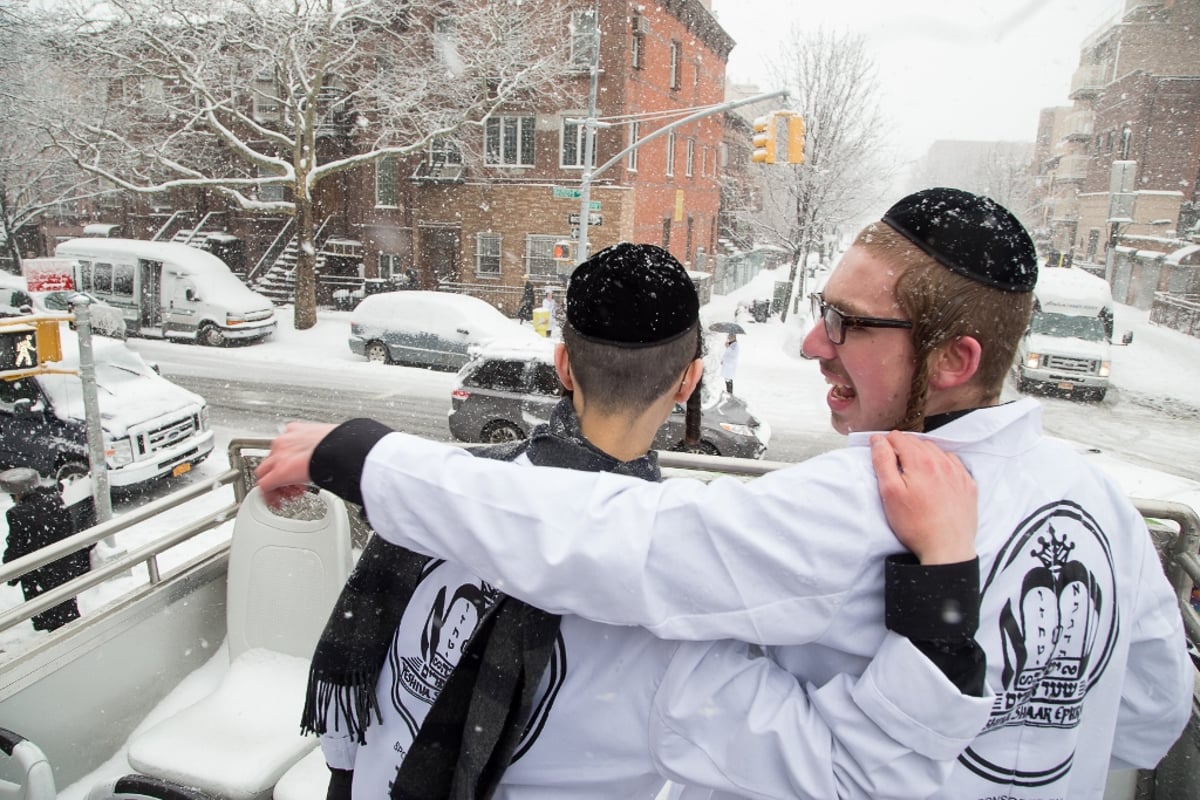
(914, 330)
(38, 519)
(551, 306)
(729, 361)
(429, 682)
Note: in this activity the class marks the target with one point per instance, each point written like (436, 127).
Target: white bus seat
(308, 779)
(36, 779)
(144, 787)
(284, 576)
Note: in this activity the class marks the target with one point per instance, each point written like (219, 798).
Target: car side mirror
(1127, 338)
(23, 408)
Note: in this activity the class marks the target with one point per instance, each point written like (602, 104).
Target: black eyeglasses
(837, 321)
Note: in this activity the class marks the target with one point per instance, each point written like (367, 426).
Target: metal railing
(1175, 528)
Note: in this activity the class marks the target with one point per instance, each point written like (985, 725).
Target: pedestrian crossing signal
(18, 348)
(562, 251)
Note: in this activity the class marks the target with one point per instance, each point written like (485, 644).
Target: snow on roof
(1177, 257)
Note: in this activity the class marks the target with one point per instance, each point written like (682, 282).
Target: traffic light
(764, 139)
(795, 139)
(18, 348)
(562, 251)
(49, 344)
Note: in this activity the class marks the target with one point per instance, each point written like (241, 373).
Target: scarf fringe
(351, 699)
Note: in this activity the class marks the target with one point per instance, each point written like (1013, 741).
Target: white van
(169, 290)
(1068, 345)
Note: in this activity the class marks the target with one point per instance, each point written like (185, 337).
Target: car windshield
(1063, 325)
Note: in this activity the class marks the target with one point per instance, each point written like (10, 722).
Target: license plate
(180, 469)
(1066, 387)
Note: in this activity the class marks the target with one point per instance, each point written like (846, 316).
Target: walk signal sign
(24, 346)
(562, 251)
(18, 348)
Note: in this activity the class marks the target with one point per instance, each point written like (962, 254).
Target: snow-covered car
(509, 388)
(151, 427)
(428, 329)
(106, 319)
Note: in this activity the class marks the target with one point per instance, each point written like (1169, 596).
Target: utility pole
(589, 141)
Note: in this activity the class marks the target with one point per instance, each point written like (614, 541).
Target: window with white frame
(671, 154)
(641, 27)
(443, 150)
(509, 141)
(635, 132)
(675, 57)
(487, 255)
(574, 142)
(387, 176)
(390, 266)
(585, 36)
(690, 159)
(539, 255)
(265, 105)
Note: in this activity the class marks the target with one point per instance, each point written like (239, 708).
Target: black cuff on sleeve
(337, 461)
(340, 781)
(937, 608)
(931, 602)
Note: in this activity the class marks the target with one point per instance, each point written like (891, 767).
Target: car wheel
(501, 431)
(1022, 385)
(1099, 394)
(211, 336)
(702, 448)
(71, 470)
(377, 352)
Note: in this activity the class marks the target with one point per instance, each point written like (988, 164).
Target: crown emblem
(1054, 552)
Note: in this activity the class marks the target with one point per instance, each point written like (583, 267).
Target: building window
(641, 26)
(444, 151)
(390, 267)
(635, 133)
(487, 255)
(386, 182)
(265, 105)
(671, 154)
(269, 192)
(690, 160)
(674, 74)
(509, 142)
(574, 141)
(539, 256)
(584, 37)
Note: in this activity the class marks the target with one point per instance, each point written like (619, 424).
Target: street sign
(593, 219)
(566, 193)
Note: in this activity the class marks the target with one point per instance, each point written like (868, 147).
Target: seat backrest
(34, 779)
(285, 573)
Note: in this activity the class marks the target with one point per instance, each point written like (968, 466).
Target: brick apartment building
(482, 216)
(1121, 166)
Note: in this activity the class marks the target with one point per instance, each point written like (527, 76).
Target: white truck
(169, 290)
(1067, 348)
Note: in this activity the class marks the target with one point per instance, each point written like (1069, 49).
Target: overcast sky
(949, 69)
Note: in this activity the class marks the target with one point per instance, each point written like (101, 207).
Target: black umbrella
(726, 327)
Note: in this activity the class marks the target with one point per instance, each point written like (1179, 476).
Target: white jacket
(1080, 626)
(621, 710)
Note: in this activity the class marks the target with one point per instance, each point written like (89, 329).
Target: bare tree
(237, 97)
(34, 176)
(831, 83)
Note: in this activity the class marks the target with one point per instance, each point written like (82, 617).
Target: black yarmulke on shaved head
(973, 236)
(631, 295)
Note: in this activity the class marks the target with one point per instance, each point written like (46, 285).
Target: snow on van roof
(211, 275)
(1072, 287)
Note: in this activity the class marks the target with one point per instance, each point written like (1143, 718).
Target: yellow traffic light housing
(49, 343)
(764, 139)
(562, 251)
(795, 138)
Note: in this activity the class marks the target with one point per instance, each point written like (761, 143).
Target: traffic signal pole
(589, 146)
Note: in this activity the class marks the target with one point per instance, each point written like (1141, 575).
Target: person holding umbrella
(729, 358)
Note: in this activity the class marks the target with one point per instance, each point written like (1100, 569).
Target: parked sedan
(107, 320)
(508, 389)
(430, 329)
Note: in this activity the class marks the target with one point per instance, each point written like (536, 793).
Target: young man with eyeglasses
(1081, 629)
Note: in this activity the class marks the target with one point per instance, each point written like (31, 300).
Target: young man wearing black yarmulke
(430, 683)
(916, 329)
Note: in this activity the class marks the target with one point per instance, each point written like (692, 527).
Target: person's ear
(691, 377)
(955, 363)
(562, 365)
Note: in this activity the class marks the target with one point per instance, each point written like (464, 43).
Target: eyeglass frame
(821, 309)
